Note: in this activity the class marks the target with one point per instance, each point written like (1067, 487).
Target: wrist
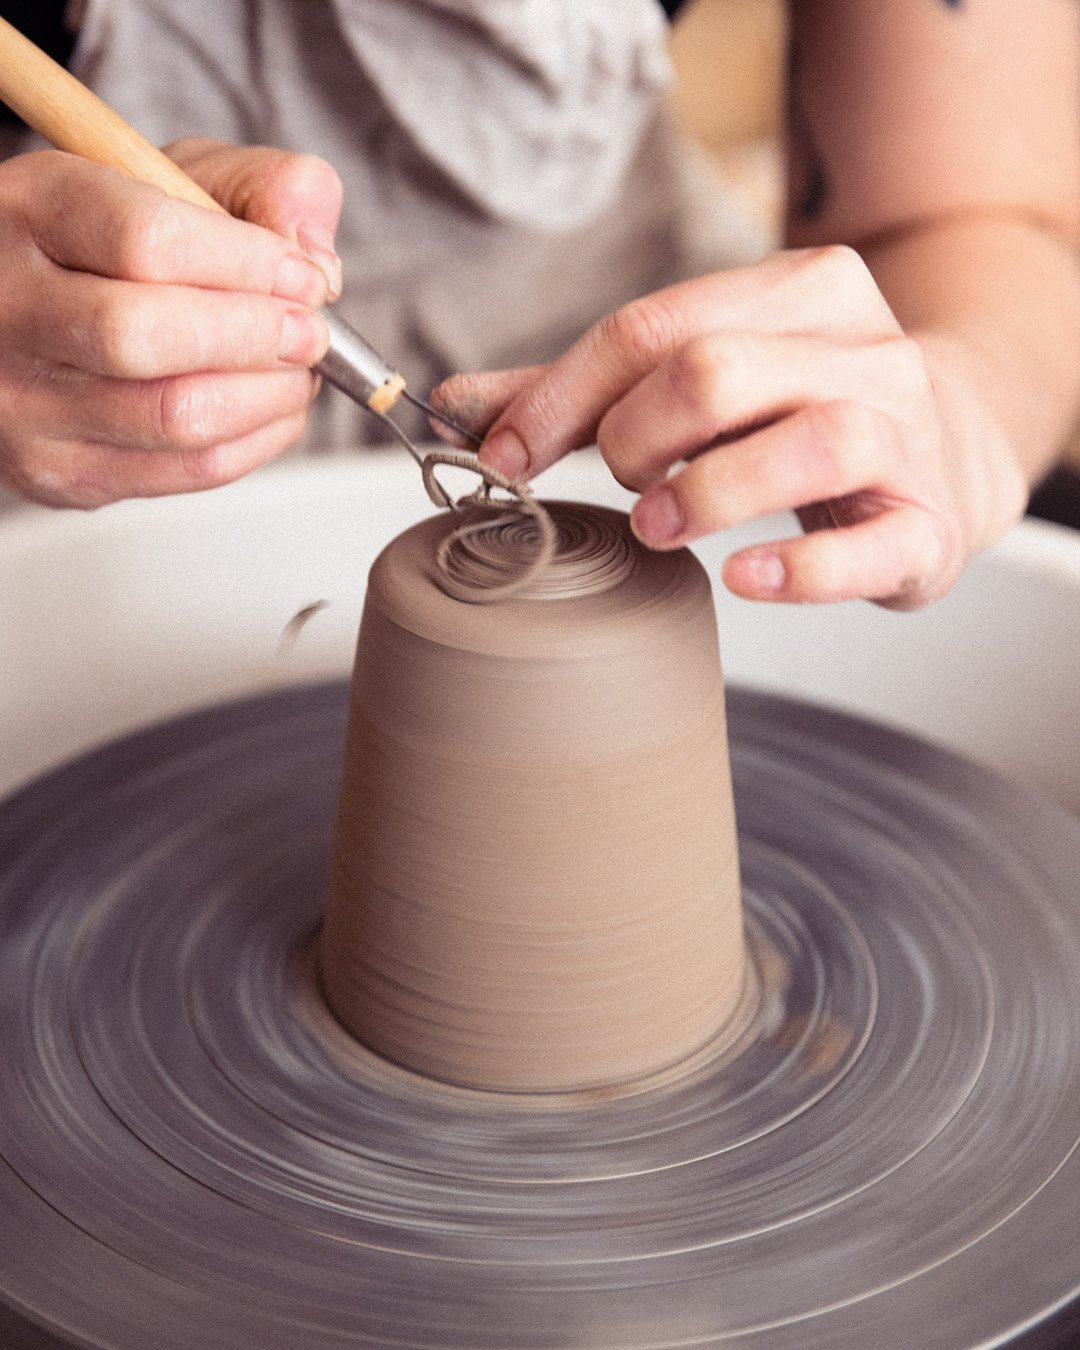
(989, 480)
(1006, 290)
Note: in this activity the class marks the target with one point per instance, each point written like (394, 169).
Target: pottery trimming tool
(61, 109)
(70, 117)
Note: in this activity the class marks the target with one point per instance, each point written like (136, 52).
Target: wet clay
(887, 1157)
(535, 882)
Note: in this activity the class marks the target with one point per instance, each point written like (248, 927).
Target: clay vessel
(535, 882)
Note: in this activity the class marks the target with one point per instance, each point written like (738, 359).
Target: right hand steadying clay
(148, 346)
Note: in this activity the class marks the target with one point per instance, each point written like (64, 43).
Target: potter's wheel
(194, 1153)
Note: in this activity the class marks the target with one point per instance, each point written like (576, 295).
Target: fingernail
(318, 244)
(506, 452)
(300, 279)
(302, 336)
(657, 518)
(765, 572)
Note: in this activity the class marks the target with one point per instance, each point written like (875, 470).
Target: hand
(788, 385)
(148, 346)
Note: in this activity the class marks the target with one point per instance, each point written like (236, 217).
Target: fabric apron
(510, 171)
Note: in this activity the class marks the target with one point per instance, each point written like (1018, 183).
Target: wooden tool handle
(53, 102)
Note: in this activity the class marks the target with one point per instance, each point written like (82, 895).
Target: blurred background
(729, 59)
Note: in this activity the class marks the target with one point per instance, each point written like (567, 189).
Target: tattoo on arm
(809, 188)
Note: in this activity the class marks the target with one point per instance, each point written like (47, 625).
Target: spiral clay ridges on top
(535, 882)
(591, 555)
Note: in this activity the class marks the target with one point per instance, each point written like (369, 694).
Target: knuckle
(928, 572)
(837, 280)
(321, 178)
(698, 490)
(839, 265)
(845, 436)
(831, 283)
(145, 237)
(119, 339)
(642, 332)
(614, 446)
(223, 462)
(908, 375)
(609, 438)
(710, 373)
(936, 551)
(189, 413)
(542, 410)
(819, 569)
(38, 477)
(205, 466)
(26, 176)
(305, 176)
(818, 576)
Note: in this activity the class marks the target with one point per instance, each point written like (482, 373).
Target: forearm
(943, 142)
(1006, 292)
(901, 404)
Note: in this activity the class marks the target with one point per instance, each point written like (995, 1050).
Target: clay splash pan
(194, 1151)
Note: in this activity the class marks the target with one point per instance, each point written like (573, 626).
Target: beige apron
(509, 172)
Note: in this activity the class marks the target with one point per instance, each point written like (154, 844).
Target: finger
(186, 412)
(89, 476)
(900, 559)
(127, 230)
(817, 453)
(139, 331)
(474, 400)
(297, 196)
(827, 292)
(725, 384)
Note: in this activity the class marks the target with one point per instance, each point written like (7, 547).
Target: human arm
(909, 397)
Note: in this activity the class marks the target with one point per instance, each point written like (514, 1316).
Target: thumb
(476, 399)
(296, 196)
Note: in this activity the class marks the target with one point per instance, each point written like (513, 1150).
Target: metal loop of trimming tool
(523, 504)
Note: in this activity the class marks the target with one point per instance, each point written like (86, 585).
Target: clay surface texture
(535, 879)
(194, 1151)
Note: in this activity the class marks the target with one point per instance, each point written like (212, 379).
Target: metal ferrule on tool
(357, 369)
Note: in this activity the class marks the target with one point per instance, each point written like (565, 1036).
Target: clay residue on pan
(299, 621)
(535, 883)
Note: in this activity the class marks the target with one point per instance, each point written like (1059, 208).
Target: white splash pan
(118, 618)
